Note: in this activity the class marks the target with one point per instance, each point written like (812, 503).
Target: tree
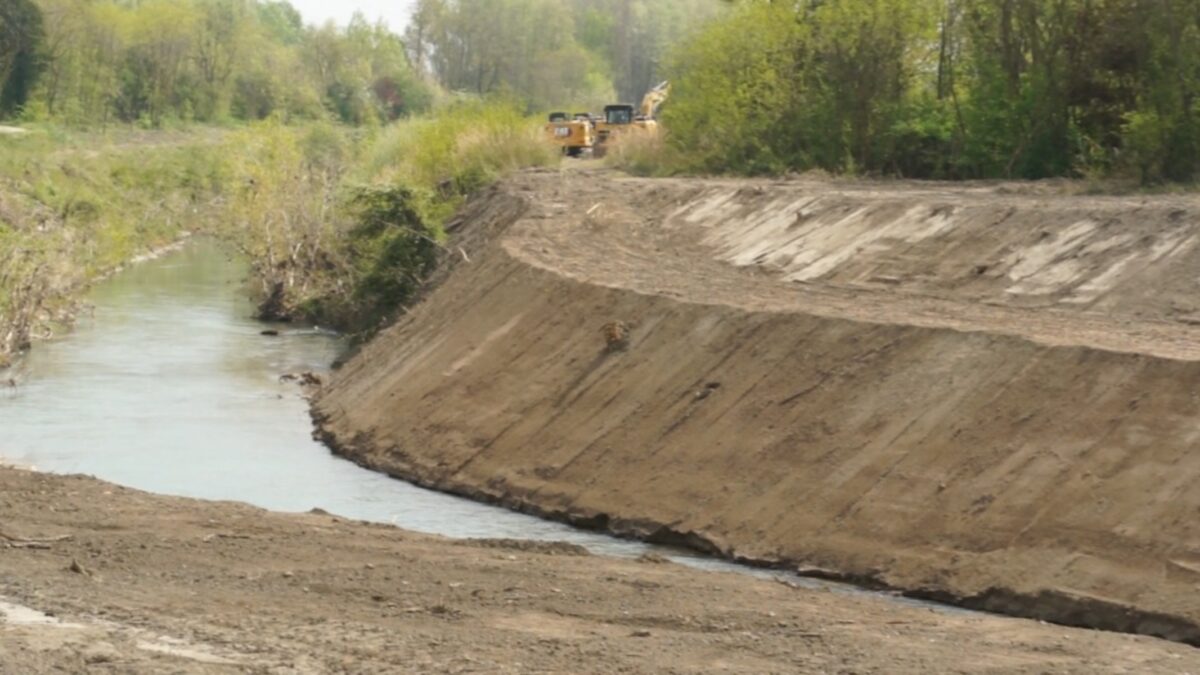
(551, 53)
(21, 39)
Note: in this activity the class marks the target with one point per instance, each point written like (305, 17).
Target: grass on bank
(342, 225)
(74, 206)
(642, 152)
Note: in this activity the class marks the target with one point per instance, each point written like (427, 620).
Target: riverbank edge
(1051, 606)
(10, 362)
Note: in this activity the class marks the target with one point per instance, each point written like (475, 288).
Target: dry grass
(641, 152)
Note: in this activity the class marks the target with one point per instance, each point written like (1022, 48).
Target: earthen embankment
(984, 394)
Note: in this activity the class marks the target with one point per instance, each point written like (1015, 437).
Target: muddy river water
(169, 386)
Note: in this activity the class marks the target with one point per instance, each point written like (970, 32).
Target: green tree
(21, 40)
(156, 60)
(945, 88)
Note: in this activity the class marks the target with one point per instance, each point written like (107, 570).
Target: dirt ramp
(951, 441)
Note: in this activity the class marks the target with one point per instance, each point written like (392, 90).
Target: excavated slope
(983, 394)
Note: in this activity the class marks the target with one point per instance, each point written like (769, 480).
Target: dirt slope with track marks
(982, 393)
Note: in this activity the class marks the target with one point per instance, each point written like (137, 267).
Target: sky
(394, 12)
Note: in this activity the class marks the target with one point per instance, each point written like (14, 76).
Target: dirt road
(983, 393)
(100, 579)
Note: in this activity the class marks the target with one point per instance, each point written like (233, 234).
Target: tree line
(943, 88)
(918, 88)
(552, 53)
(150, 61)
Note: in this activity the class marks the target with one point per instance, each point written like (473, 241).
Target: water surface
(170, 387)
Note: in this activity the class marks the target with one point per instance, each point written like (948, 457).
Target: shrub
(394, 245)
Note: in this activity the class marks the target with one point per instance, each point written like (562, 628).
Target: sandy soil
(983, 393)
(97, 578)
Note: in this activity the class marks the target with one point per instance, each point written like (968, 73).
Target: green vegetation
(21, 35)
(73, 208)
(942, 89)
(159, 62)
(558, 54)
(342, 226)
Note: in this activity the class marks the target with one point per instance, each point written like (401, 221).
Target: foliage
(731, 100)
(551, 53)
(157, 62)
(73, 208)
(163, 62)
(21, 39)
(943, 88)
(394, 244)
(347, 242)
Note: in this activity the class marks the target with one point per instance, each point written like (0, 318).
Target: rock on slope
(985, 394)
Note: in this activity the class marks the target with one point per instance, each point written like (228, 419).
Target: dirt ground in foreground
(98, 578)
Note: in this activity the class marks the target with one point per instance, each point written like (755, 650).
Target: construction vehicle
(575, 135)
(623, 116)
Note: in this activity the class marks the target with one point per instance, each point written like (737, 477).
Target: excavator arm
(654, 100)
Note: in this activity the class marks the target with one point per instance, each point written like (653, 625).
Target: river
(169, 386)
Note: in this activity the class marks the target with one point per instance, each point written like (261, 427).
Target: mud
(981, 393)
(129, 582)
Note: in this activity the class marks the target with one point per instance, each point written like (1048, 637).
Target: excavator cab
(618, 118)
(615, 118)
(616, 115)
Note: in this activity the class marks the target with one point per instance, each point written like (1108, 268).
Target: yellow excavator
(622, 117)
(575, 135)
(585, 133)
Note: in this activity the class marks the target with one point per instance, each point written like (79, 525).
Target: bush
(394, 245)
(348, 243)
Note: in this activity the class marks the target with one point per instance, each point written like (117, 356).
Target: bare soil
(981, 393)
(101, 579)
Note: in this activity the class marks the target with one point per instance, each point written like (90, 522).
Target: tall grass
(641, 152)
(456, 151)
(342, 228)
(76, 206)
